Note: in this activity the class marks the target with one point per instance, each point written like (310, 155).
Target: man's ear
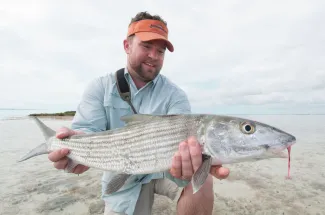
(126, 44)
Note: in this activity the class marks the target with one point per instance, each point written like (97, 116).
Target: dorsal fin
(141, 118)
(137, 118)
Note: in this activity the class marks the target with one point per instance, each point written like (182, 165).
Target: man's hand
(59, 156)
(189, 158)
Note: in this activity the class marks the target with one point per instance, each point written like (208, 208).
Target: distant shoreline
(60, 115)
(66, 113)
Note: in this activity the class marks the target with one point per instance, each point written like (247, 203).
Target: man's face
(145, 58)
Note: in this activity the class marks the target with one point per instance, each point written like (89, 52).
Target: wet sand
(35, 187)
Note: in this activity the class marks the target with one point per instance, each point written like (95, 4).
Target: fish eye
(247, 128)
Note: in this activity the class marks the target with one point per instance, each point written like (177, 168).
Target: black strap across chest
(123, 88)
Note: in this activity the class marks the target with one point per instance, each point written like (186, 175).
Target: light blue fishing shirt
(101, 108)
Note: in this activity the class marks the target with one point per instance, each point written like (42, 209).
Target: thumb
(219, 172)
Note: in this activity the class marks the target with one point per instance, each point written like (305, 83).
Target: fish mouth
(279, 151)
(291, 141)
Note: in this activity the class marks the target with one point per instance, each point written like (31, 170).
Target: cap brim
(147, 36)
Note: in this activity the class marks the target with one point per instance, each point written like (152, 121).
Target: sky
(230, 56)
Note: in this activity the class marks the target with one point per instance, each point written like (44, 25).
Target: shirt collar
(128, 77)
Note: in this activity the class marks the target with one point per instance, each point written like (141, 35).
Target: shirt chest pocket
(115, 109)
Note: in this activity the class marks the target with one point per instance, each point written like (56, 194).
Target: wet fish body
(148, 143)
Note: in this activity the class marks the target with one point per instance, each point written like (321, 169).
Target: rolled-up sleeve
(90, 114)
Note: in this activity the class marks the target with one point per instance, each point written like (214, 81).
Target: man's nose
(153, 53)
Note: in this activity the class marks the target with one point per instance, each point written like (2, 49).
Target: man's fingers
(195, 152)
(219, 172)
(58, 155)
(176, 170)
(64, 132)
(61, 164)
(80, 169)
(187, 169)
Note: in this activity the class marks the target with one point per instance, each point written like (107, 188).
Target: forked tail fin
(43, 148)
(47, 132)
(39, 150)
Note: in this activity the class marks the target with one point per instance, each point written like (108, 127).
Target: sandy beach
(36, 187)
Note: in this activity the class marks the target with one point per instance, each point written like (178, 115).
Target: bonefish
(147, 144)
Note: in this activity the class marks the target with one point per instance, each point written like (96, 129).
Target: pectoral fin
(201, 173)
(116, 183)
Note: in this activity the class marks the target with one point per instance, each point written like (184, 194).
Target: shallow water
(35, 187)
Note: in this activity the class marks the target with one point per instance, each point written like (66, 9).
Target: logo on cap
(158, 26)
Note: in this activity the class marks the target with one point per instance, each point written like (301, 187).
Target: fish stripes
(148, 143)
(144, 148)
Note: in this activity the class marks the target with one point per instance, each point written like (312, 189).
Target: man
(101, 108)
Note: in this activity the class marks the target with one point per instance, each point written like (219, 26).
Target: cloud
(253, 53)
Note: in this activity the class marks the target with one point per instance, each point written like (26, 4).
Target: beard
(146, 72)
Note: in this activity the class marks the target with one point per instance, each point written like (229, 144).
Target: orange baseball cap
(149, 29)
